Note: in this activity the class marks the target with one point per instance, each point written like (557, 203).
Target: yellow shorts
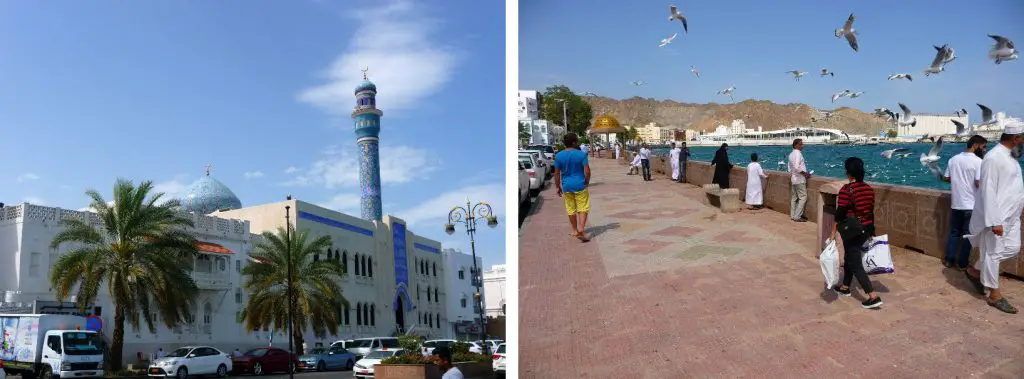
(577, 202)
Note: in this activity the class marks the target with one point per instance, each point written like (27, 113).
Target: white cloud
(90, 208)
(437, 209)
(345, 203)
(395, 43)
(26, 177)
(34, 200)
(253, 175)
(340, 167)
(291, 170)
(172, 189)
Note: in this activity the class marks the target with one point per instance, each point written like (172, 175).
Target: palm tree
(141, 252)
(315, 282)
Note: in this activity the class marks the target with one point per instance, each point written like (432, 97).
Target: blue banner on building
(401, 266)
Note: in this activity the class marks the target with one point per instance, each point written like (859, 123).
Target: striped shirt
(863, 203)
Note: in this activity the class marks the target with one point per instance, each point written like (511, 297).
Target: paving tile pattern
(670, 288)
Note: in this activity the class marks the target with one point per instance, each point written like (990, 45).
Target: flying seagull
(668, 40)
(694, 71)
(728, 91)
(849, 32)
(639, 83)
(1003, 50)
(839, 94)
(825, 72)
(901, 76)
(589, 94)
(961, 130)
(797, 74)
(675, 15)
(933, 155)
(986, 116)
(934, 168)
(855, 95)
(948, 55)
(937, 65)
(888, 153)
(961, 113)
(908, 118)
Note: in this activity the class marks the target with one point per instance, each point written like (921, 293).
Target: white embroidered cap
(1014, 127)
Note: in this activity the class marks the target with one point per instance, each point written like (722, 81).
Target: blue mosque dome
(208, 195)
(366, 85)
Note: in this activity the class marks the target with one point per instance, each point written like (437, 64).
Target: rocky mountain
(639, 111)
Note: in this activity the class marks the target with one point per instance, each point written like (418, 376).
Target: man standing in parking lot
(572, 177)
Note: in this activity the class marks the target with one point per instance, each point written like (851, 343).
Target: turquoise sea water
(827, 160)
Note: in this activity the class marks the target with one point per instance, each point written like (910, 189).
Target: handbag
(850, 227)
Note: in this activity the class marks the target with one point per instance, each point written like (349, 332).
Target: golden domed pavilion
(606, 124)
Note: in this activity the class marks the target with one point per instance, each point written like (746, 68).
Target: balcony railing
(210, 281)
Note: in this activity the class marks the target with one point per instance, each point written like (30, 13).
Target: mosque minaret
(366, 117)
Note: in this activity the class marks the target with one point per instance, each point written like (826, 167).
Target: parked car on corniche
(192, 361)
(327, 358)
(264, 360)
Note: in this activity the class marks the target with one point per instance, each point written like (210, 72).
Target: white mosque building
(394, 283)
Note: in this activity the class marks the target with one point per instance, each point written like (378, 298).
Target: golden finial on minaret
(365, 69)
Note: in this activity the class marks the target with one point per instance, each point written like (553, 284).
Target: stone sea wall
(914, 218)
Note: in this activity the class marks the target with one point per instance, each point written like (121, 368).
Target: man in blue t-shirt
(572, 176)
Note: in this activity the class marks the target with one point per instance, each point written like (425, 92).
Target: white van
(363, 346)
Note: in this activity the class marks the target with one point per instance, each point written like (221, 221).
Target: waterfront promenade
(671, 288)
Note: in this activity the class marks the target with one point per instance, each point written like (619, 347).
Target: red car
(264, 360)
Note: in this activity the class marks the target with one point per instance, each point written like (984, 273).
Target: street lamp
(565, 114)
(291, 301)
(468, 216)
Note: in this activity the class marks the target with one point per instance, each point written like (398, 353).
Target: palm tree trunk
(117, 344)
(297, 340)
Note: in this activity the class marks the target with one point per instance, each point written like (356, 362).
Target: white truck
(50, 346)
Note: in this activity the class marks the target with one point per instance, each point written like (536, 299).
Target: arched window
(316, 256)
(437, 295)
(439, 321)
(463, 301)
(416, 262)
(344, 261)
(366, 314)
(370, 266)
(359, 314)
(373, 315)
(435, 268)
(345, 316)
(355, 263)
(462, 273)
(330, 254)
(430, 320)
(428, 294)
(364, 266)
(207, 313)
(417, 292)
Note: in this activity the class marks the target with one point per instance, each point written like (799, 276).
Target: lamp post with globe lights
(468, 215)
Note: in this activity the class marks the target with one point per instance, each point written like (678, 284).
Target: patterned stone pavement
(670, 288)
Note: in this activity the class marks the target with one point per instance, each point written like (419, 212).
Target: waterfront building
(394, 279)
(494, 291)
(463, 313)
(931, 125)
(655, 134)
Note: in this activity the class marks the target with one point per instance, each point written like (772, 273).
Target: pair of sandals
(582, 236)
(1002, 304)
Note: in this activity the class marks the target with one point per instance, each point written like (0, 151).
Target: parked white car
(498, 361)
(536, 179)
(538, 164)
(524, 184)
(549, 152)
(364, 367)
(475, 347)
(192, 361)
(548, 165)
(429, 346)
(363, 346)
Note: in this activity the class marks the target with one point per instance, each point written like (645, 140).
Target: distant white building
(932, 125)
(529, 105)
(463, 314)
(494, 291)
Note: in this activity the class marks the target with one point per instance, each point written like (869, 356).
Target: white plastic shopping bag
(877, 259)
(830, 263)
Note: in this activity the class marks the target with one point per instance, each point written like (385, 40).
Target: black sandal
(1003, 305)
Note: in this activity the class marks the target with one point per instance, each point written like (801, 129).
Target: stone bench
(727, 200)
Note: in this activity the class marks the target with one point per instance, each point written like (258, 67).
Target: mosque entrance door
(400, 315)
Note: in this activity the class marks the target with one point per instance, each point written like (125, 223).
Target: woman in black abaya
(722, 167)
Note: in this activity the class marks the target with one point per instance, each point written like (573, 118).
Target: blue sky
(90, 91)
(602, 46)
